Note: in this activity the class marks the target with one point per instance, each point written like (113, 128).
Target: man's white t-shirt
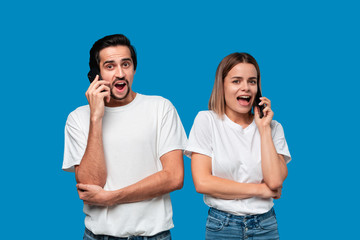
(236, 155)
(135, 136)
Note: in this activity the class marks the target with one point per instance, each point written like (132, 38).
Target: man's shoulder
(156, 101)
(79, 113)
(81, 110)
(153, 98)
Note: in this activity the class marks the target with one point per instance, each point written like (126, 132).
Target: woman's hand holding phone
(265, 121)
(97, 93)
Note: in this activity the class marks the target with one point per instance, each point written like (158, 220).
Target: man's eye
(253, 82)
(126, 64)
(109, 66)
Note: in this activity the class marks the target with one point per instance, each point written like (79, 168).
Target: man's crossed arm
(170, 178)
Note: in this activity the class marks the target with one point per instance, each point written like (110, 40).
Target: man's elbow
(177, 182)
(84, 178)
(178, 185)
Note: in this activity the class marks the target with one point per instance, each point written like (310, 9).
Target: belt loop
(256, 219)
(227, 219)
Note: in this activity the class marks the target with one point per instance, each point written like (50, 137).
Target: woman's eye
(236, 81)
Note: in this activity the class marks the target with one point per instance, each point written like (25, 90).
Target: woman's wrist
(263, 130)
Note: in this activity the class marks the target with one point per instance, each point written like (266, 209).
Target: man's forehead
(114, 53)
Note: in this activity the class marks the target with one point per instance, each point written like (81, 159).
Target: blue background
(308, 55)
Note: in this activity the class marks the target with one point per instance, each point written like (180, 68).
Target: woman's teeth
(247, 98)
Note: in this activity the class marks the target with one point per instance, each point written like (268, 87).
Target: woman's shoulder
(206, 115)
(274, 124)
(276, 127)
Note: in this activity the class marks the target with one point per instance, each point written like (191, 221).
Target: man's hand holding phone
(97, 93)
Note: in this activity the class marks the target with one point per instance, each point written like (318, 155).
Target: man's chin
(119, 97)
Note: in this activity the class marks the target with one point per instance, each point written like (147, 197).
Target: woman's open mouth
(243, 100)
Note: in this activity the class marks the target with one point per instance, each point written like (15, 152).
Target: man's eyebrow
(109, 61)
(126, 59)
(122, 60)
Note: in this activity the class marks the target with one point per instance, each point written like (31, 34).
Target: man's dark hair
(110, 41)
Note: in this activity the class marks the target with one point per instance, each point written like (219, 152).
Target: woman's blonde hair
(217, 98)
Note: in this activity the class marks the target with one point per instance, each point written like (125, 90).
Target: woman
(238, 159)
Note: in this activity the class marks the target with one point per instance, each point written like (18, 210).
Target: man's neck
(119, 103)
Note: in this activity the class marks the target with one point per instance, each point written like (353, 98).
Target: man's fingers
(81, 186)
(102, 88)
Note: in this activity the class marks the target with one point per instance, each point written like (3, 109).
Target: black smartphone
(92, 74)
(257, 101)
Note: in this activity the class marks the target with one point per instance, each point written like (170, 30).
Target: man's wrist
(114, 197)
(95, 119)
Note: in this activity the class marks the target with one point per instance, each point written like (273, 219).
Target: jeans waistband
(96, 236)
(218, 213)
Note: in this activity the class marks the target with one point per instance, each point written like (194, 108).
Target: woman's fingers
(265, 102)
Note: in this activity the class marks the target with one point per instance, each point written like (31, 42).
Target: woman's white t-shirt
(236, 155)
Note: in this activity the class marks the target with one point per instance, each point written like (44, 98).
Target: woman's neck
(243, 119)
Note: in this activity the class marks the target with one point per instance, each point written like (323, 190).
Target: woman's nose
(244, 86)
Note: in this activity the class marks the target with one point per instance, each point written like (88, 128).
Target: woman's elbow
(200, 186)
(274, 185)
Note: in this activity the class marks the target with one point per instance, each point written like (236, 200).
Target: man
(125, 149)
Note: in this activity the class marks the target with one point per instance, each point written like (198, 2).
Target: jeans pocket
(213, 224)
(269, 223)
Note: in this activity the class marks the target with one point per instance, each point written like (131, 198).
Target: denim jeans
(88, 235)
(223, 225)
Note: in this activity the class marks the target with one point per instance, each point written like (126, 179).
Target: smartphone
(257, 101)
(92, 74)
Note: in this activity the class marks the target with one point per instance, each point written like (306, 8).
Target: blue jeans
(223, 225)
(88, 235)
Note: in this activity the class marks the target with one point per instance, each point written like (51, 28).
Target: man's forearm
(153, 186)
(92, 169)
(170, 178)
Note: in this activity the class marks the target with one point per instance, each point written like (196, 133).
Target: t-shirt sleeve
(172, 133)
(280, 141)
(75, 144)
(200, 138)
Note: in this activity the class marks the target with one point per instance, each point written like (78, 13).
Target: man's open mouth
(120, 86)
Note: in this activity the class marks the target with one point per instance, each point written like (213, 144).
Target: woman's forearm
(273, 165)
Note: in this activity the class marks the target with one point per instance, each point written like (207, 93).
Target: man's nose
(119, 73)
